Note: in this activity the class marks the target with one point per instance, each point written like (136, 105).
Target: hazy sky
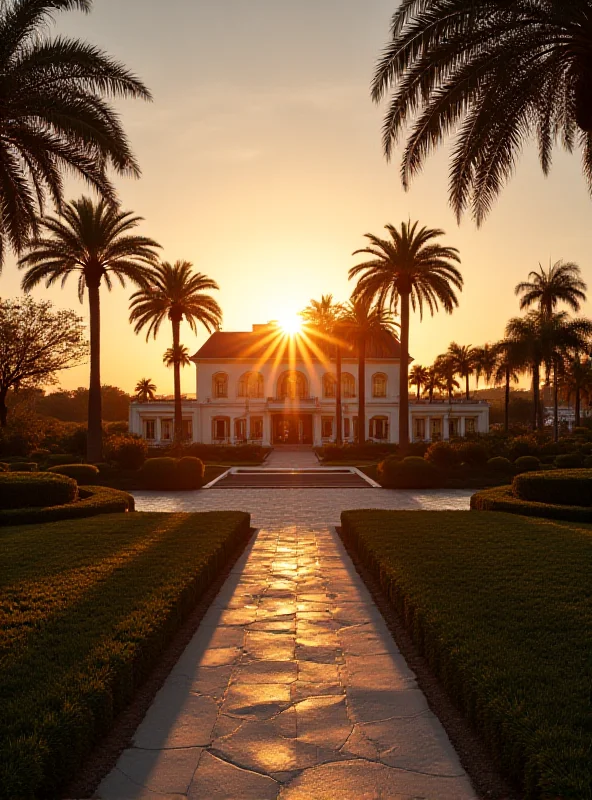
(262, 164)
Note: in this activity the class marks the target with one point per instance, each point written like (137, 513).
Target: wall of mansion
(244, 401)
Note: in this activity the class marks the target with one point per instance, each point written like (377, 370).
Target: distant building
(268, 388)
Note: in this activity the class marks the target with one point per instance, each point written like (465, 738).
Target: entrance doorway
(292, 429)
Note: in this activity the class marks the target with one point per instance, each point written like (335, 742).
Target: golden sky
(262, 164)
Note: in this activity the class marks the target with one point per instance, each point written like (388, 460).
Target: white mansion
(269, 388)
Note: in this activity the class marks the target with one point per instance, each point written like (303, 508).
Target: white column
(248, 427)
(232, 441)
(428, 429)
(445, 431)
(316, 430)
(157, 429)
(461, 428)
(266, 429)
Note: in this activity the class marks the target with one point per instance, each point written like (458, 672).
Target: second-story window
(220, 385)
(379, 385)
(250, 385)
(348, 385)
(329, 385)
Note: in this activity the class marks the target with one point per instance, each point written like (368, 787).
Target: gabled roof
(268, 342)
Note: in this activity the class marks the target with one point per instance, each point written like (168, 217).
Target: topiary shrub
(410, 473)
(522, 446)
(560, 487)
(159, 473)
(21, 490)
(190, 473)
(473, 453)
(527, 464)
(442, 454)
(83, 474)
(128, 451)
(569, 461)
(24, 466)
(57, 459)
(500, 464)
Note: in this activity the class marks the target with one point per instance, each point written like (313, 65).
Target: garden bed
(92, 500)
(86, 609)
(500, 606)
(503, 499)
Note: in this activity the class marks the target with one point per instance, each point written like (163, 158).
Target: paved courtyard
(292, 687)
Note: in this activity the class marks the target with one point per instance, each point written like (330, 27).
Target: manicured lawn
(86, 607)
(501, 606)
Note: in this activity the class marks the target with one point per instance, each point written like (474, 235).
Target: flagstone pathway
(292, 687)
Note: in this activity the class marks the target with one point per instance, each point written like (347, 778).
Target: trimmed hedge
(59, 459)
(527, 463)
(500, 464)
(569, 461)
(172, 474)
(93, 500)
(500, 607)
(443, 454)
(561, 487)
(23, 466)
(92, 606)
(410, 473)
(83, 474)
(26, 490)
(501, 498)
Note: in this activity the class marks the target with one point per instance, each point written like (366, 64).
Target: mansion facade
(268, 388)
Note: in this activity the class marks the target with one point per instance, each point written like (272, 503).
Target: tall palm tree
(364, 325)
(509, 365)
(325, 315)
(409, 269)
(53, 117)
(446, 367)
(418, 377)
(577, 382)
(523, 336)
(433, 383)
(93, 241)
(463, 358)
(145, 390)
(485, 359)
(175, 292)
(176, 355)
(494, 73)
(561, 283)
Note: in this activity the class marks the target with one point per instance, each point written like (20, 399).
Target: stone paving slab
(291, 689)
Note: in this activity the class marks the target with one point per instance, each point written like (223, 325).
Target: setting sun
(291, 324)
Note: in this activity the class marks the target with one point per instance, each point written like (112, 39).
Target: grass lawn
(501, 605)
(86, 607)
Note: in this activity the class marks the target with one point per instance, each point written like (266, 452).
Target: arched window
(220, 384)
(348, 385)
(292, 385)
(379, 384)
(379, 428)
(250, 385)
(329, 384)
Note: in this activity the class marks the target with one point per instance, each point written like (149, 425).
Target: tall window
(220, 428)
(251, 385)
(187, 428)
(166, 430)
(329, 385)
(435, 429)
(149, 429)
(220, 385)
(419, 429)
(326, 427)
(256, 427)
(346, 428)
(379, 385)
(292, 385)
(240, 430)
(454, 426)
(379, 428)
(470, 425)
(348, 385)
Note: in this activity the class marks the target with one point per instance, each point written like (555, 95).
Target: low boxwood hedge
(569, 460)
(172, 474)
(527, 463)
(501, 498)
(23, 466)
(93, 500)
(83, 474)
(410, 473)
(41, 489)
(565, 487)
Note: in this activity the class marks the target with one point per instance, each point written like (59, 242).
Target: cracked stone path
(291, 688)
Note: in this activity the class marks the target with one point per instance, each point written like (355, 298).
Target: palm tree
(446, 367)
(433, 383)
(523, 336)
(485, 359)
(561, 283)
(93, 241)
(324, 315)
(418, 377)
(176, 355)
(509, 364)
(494, 73)
(175, 292)
(411, 269)
(463, 358)
(577, 381)
(145, 390)
(364, 325)
(54, 117)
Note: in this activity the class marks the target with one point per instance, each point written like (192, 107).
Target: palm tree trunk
(94, 445)
(577, 407)
(178, 425)
(361, 391)
(507, 402)
(404, 375)
(418, 392)
(555, 403)
(536, 393)
(467, 393)
(338, 405)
